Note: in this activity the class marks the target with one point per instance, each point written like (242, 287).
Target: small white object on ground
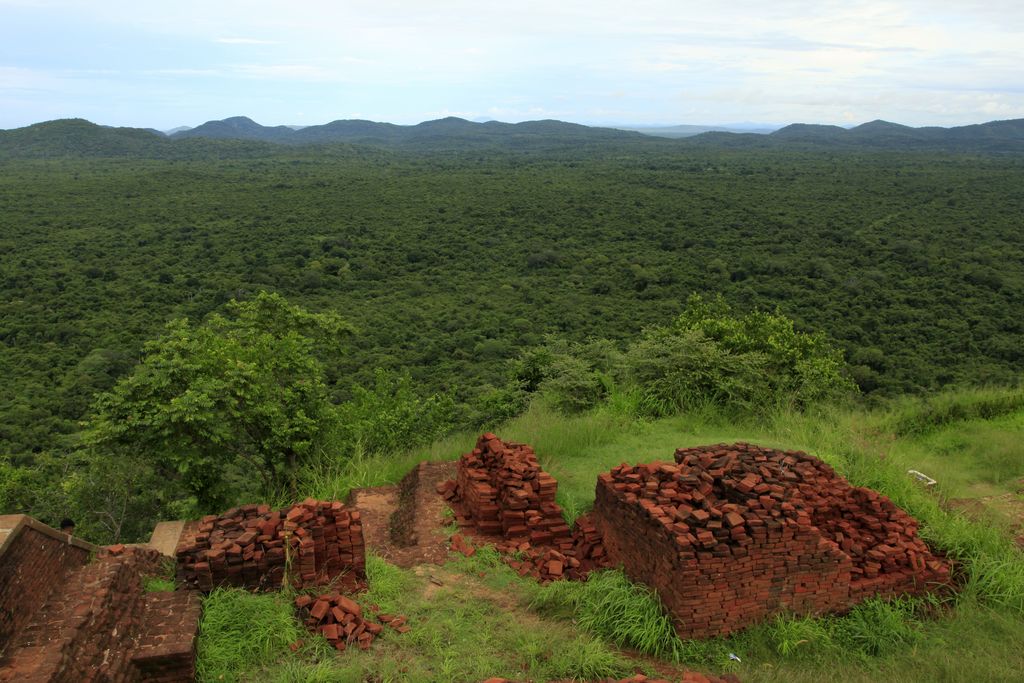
(921, 477)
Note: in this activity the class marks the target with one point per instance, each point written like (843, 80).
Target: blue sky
(160, 64)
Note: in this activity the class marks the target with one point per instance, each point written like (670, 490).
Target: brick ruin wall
(402, 524)
(502, 490)
(100, 625)
(33, 562)
(249, 547)
(730, 535)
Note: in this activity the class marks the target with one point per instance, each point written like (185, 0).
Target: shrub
(754, 363)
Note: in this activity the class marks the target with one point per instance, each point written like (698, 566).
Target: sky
(151, 63)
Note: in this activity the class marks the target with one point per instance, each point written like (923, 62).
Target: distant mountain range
(686, 130)
(240, 135)
(447, 130)
(994, 136)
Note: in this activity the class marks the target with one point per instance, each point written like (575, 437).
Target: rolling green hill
(240, 136)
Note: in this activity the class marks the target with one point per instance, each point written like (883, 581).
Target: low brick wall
(249, 547)
(730, 535)
(34, 561)
(402, 524)
(166, 649)
(503, 490)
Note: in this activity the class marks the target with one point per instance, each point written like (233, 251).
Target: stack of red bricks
(502, 489)
(341, 621)
(250, 546)
(729, 535)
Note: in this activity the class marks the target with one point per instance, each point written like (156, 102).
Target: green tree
(241, 395)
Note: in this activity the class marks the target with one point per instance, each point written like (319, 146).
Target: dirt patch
(1007, 507)
(403, 524)
(375, 506)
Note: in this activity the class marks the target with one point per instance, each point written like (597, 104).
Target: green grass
(970, 459)
(609, 606)
(242, 632)
(919, 415)
(157, 584)
(469, 629)
(161, 582)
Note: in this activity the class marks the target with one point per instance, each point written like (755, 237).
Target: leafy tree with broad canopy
(240, 395)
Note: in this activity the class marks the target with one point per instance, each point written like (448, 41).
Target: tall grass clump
(243, 632)
(585, 659)
(609, 606)
(911, 416)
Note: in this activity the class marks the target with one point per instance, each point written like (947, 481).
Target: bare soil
(403, 524)
(1007, 506)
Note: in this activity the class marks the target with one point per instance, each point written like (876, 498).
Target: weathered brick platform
(249, 547)
(730, 535)
(99, 625)
(502, 490)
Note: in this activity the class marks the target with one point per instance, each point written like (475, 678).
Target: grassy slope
(974, 639)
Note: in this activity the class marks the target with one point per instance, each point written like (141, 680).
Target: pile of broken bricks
(341, 621)
(500, 489)
(250, 547)
(543, 564)
(729, 535)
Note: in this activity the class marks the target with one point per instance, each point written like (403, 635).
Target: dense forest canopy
(450, 264)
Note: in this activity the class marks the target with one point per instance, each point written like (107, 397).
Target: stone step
(165, 536)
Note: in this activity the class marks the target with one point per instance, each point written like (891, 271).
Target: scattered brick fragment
(688, 677)
(461, 545)
(340, 620)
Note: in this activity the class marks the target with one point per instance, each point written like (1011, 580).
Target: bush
(573, 376)
(244, 390)
(753, 363)
(390, 416)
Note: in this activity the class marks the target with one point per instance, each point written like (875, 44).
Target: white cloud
(784, 59)
(245, 41)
